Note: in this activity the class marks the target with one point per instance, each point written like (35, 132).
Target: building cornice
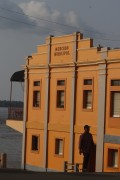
(45, 52)
(72, 64)
(62, 42)
(89, 48)
(42, 66)
(69, 64)
(113, 60)
(66, 35)
(89, 63)
(41, 45)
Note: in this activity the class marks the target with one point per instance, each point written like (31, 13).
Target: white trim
(46, 115)
(71, 155)
(89, 48)
(34, 54)
(101, 117)
(24, 118)
(41, 45)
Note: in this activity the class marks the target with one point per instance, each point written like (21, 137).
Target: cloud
(72, 19)
(36, 9)
(45, 17)
(39, 18)
(11, 20)
(40, 9)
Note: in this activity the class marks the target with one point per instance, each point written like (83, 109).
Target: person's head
(86, 128)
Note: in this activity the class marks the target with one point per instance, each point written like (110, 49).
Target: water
(3, 114)
(10, 142)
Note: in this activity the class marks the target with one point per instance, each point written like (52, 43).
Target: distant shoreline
(3, 114)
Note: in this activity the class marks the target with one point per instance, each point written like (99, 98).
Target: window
(88, 94)
(59, 147)
(115, 98)
(115, 103)
(35, 142)
(60, 102)
(36, 98)
(87, 81)
(87, 99)
(36, 83)
(113, 158)
(115, 82)
(60, 98)
(36, 93)
(61, 82)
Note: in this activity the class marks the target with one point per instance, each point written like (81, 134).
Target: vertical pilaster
(24, 117)
(46, 115)
(72, 114)
(101, 117)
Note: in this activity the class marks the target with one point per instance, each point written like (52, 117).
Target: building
(70, 83)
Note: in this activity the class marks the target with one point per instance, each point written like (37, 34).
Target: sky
(24, 24)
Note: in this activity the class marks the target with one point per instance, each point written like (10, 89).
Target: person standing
(85, 146)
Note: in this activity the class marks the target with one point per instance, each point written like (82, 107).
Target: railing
(15, 113)
(69, 167)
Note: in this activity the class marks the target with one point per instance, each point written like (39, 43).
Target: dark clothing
(86, 142)
(85, 146)
(86, 161)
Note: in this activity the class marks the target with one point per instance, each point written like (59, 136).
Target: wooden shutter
(38, 97)
(116, 104)
(115, 158)
(60, 147)
(62, 98)
(88, 99)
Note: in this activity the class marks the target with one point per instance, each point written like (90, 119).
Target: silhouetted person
(85, 146)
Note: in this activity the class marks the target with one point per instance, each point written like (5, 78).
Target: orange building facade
(70, 83)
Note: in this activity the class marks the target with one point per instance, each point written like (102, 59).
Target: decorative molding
(59, 127)
(112, 60)
(72, 64)
(62, 71)
(87, 70)
(111, 139)
(41, 45)
(38, 73)
(86, 39)
(34, 125)
(89, 62)
(34, 54)
(62, 65)
(66, 35)
(62, 42)
(114, 67)
(90, 48)
(42, 66)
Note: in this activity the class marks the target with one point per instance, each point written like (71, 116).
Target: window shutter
(116, 104)
(62, 98)
(38, 96)
(115, 158)
(60, 147)
(89, 99)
